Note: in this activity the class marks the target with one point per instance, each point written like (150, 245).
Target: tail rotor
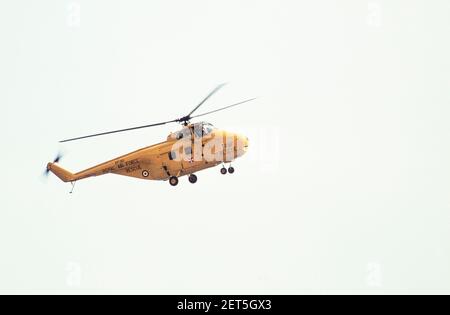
(57, 159)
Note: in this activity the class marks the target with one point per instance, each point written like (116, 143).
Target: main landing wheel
(173, 181)
(192, 178)
(231, 170)
(223, 171)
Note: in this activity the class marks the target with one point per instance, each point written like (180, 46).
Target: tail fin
(63, 174)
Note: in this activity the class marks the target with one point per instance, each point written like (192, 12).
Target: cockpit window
(207, 129)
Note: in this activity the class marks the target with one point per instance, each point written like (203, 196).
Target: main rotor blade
(207, 98)
(117, 131)
(224, 108)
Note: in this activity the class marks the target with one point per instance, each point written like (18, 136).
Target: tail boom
(61, 173)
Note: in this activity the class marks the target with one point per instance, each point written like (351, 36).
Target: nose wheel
(192, 178)
(225, 171)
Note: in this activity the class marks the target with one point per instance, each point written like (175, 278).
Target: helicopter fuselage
(186, 152)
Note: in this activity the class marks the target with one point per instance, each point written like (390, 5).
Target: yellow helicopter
(196, 147)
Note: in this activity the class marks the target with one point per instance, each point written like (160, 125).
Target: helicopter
(194, 148)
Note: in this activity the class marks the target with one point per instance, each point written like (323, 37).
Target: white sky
(345, 188)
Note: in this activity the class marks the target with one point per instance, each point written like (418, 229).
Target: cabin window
(172, 155)
(188, 150)
(185, 133)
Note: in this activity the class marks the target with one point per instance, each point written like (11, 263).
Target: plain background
(346, 185)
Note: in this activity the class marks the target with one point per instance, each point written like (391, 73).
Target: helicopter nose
(246, 144)
(243, 144)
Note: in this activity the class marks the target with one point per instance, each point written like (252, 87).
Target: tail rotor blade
(58, 158)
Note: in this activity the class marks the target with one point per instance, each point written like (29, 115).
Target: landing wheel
(192, 178)
(173, 181)
(231, 170)
(223, 171)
